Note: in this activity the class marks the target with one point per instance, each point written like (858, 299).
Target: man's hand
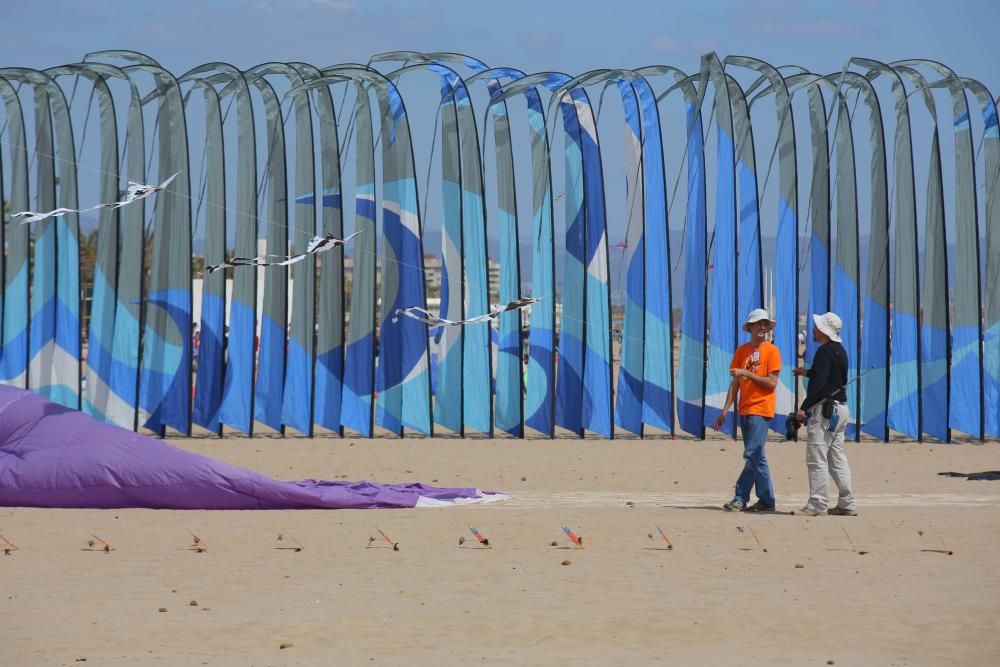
(800, 371)
(800, 416)
(738, 372)
(719, 422)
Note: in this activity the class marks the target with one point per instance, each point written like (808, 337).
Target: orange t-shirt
(755, 399)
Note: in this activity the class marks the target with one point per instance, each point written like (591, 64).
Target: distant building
(432, 274)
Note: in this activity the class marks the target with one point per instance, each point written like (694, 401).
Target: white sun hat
(757, 315)
(829, 324)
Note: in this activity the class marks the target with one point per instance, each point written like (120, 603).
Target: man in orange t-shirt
(754, 369)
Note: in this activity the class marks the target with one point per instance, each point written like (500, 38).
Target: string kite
(135, 192)
(422, 315)
(316, 245)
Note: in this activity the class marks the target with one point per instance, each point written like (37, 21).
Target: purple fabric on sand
(52, 456)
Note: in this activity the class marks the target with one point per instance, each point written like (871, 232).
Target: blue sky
(531, 35)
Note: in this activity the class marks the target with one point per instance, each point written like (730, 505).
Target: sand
(716, 598)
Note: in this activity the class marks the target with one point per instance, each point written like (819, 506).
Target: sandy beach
(716, 598)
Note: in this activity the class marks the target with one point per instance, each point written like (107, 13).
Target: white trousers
(825, 457)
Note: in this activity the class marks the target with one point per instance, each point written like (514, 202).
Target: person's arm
(734, 390)
(769, 381)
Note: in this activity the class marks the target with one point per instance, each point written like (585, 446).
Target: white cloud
(672, 45)
(665, 44)
(806, 28)
(335, 6)
(339, 6)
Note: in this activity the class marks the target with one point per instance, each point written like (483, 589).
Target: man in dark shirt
(825, 454)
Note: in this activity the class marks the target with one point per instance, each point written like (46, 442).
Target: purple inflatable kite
(52, 456)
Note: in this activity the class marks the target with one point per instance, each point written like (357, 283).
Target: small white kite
(32, 216)
(135, 192)
(315, 246)
(421, 315)
(234, 262)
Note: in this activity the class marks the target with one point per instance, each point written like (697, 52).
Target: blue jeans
(755, 470)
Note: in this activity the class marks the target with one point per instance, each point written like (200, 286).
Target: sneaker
(759, 507)
(735, 505)
(842, 511)
(809, 511)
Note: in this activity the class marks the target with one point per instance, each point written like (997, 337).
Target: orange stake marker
(946, 550)
(757, 539)
(298, 545)
(578, 541)
(479, 536)
(197, 544)
(853, 546)
(107, 545)
(395, 545)
(10, 546)
(665, 538)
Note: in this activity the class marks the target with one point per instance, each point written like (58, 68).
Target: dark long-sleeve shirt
(827, 376)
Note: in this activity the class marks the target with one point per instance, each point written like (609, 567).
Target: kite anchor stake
(853, 546)
(197, 544)
(9, 547)
(946, 550)
(395, 545)
(282, 537)
(578, 541)
(479, 536)
(670, 546)
(97, 544)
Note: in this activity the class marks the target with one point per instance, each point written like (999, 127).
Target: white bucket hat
(830, 325)
(757, 315)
